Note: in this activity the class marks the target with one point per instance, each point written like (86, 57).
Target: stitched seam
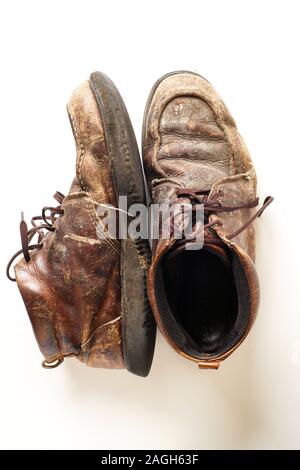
(75, 195)
(94, 220)
(108, 236)
(93, 217)
(100, 226)
(216, 108)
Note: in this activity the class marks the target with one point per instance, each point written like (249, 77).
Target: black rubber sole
(138, 325)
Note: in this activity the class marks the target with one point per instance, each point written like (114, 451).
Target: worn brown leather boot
(204, 301)
(85, 293)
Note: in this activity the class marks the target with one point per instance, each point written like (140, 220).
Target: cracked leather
(191, 141)
(71, 286)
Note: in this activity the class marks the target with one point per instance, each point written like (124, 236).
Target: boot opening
(201, 292)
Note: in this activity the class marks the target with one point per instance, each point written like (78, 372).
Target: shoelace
(213, 205)
(47, 221)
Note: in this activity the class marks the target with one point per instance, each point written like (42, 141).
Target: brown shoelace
(213, 205)
(39, 224)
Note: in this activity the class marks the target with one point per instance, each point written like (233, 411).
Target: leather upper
(71, 286)
(191, 141)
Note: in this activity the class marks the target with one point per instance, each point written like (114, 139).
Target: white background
(250, 52)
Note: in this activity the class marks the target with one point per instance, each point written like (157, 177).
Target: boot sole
(138, 325)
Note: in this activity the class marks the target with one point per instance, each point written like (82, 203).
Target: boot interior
(202, 297)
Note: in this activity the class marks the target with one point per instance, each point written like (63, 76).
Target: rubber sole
(138, 325)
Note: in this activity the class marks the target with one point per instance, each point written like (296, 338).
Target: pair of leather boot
(91, 294)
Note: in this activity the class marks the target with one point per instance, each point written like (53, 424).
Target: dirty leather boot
(85, 293)
(204, 301)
